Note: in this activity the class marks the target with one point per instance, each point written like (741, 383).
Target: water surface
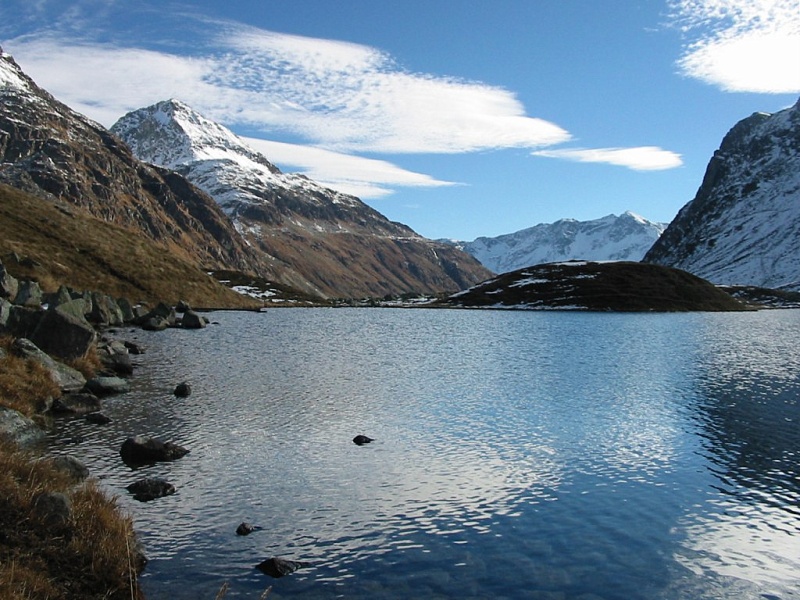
(547, 455)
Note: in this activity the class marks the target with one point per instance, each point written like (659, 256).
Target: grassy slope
(73, 248)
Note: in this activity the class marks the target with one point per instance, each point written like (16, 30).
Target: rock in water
(278, 567)
(360, 440)
(182, 390)
(140, 450)
(150, 488)
(246, 528)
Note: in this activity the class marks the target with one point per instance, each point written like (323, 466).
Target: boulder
(105, 310)
(246, 528)
(141, 450)
(160, 317)
(106, 386)
(191, 320)
(133, 347)
(182, 306)
(54, 509)
(5, 312)
(76, 404)
(360, 440)
(63, 335)
(98, 418)
(9, 286)
(278, 567)
(150, 488)
(182, 390)
(19, 429)
(76, 307)
(126, 308)
(115, 357)
(29, 294)
(67, 378)
(72, 467)
(22, 320)
(59, 297)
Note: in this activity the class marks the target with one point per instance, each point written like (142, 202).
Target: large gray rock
(278, 567)
(191, 320)
(125, 306)
(79, 403)
(106, 386)
(72, 467)
(115, 356)
(18, 428)
(5, 313)
(67, 378)
(63, 335)
(158, 318)
(22, 321)
(9, 286)
(29, 294)
(105, 310)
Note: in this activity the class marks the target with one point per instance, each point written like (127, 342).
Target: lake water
(547, 455)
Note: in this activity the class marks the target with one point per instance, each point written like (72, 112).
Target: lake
(546, 455)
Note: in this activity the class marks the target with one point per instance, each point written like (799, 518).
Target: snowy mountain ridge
(173, 135)
(743, 225)
(626, 237)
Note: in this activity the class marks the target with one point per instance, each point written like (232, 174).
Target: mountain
(58, 155)
(317, 239)
(607, 286)
(743, 226)
(624, 237)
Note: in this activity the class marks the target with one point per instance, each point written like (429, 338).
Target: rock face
(317, 240)
(742, 226)
(53, 152)
(580, 285)
(625, 237)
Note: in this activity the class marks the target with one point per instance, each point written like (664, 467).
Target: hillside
(314, 238)
(56, 243)
(624, 237)
(612, 286)
(743, 225)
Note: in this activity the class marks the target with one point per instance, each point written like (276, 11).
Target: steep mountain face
(57, 154)
(624, 237)
(317, 239)
(743, 226)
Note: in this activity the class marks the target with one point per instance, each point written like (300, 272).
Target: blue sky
(459, 118)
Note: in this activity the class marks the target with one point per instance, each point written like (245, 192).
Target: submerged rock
(246, 528)
(105, 386)
(141, 450)
(278, 567)
(182, 390)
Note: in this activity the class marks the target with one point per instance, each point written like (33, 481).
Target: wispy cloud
(362, 177)
(642, 158)
(741, 45)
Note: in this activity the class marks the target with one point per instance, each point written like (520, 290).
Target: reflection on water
(517, 455)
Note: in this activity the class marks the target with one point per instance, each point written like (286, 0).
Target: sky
(459, 118)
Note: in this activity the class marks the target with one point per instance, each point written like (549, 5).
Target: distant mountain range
(743, 226)
(314, 238)
(620, 238)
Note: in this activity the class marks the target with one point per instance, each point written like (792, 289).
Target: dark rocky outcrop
(150, 488)
(580, 285)
(141, 450)
(279, 567)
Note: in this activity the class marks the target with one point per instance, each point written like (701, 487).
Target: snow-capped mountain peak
(624, 237)
(173, 135)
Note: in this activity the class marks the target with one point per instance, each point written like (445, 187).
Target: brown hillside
(61, 244)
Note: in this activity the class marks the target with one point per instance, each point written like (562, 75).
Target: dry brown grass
(71, 247)
(90, 557)
(89, 364)
(25, 385)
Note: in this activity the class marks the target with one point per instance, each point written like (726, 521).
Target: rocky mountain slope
(608, 286)
(743, 226)
(316, 239)
(51, 151)
(624, 237)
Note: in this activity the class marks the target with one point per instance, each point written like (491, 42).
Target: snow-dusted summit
(625, 237)
(317, 239)
(743, 226)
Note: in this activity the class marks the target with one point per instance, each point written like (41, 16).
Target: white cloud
(642, 158)
(362, 177)
(742, 45)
